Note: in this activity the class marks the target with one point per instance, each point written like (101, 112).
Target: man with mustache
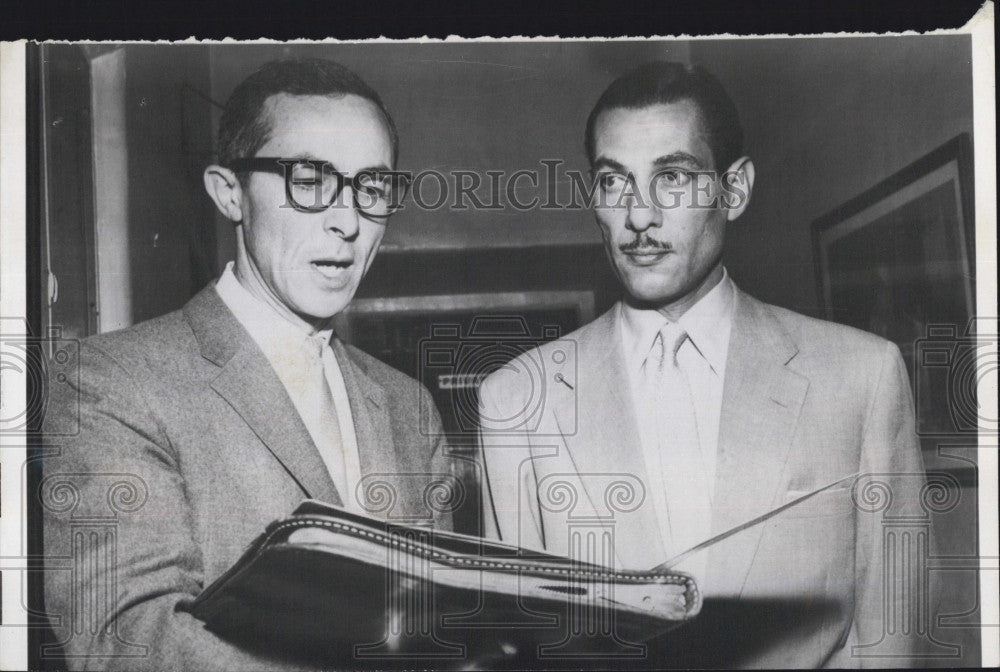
(690, 407)
(199, 428)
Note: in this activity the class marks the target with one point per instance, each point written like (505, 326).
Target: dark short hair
(245, 125)
(661, 82)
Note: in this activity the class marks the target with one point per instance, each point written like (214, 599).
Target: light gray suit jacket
(176, 449)
(805, 402)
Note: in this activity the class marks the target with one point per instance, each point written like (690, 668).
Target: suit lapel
(606, 441)
(249, 384)
(382, 459)
(761, 402)
(370, 412)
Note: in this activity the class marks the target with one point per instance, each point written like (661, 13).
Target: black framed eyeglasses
(313, 185)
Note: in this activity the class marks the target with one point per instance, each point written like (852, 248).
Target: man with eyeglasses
(225, 415)
(691, 408)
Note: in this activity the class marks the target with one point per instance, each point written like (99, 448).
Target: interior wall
(824, 120)
(168, 121)
(477, 107)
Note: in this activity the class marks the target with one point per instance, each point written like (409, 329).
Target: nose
(642, 213)
(342, 216)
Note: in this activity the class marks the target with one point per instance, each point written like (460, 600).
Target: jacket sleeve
(509, 494)
(119, 541)
(443, 467)
(895, 596)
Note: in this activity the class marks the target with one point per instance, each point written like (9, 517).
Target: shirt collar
(708, 324)
(268, 328)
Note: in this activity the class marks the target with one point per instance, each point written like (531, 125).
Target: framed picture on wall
(898, 260)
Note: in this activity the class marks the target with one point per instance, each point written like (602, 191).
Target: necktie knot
(668, 341)
(314, 345)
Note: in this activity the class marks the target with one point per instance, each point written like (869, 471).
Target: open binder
(328, 574)
(341, 584)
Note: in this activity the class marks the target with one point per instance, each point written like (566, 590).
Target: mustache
(644, 242)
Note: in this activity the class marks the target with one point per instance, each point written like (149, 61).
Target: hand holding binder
(326, 574)
(326, 579)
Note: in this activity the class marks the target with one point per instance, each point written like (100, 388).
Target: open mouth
(332, 269)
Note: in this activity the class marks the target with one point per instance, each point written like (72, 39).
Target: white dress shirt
(284, 345)
(702, 357)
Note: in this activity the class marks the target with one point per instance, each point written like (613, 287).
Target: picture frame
(898, 260)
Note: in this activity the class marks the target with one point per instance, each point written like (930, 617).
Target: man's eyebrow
(374, 169)
(605, 162)
(305, 156)
(675, 158)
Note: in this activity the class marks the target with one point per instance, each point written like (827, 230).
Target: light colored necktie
(682, 487)
(324, 425)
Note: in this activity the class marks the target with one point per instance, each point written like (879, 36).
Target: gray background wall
(824, 120)
(475, 107)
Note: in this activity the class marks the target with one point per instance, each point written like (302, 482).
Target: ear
(737, 185)
(225, 191)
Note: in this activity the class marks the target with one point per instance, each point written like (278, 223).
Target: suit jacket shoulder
(169, 341)
(158, 339)
(552, 371)
(841, 356)
(810, 332)
(578, 346)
